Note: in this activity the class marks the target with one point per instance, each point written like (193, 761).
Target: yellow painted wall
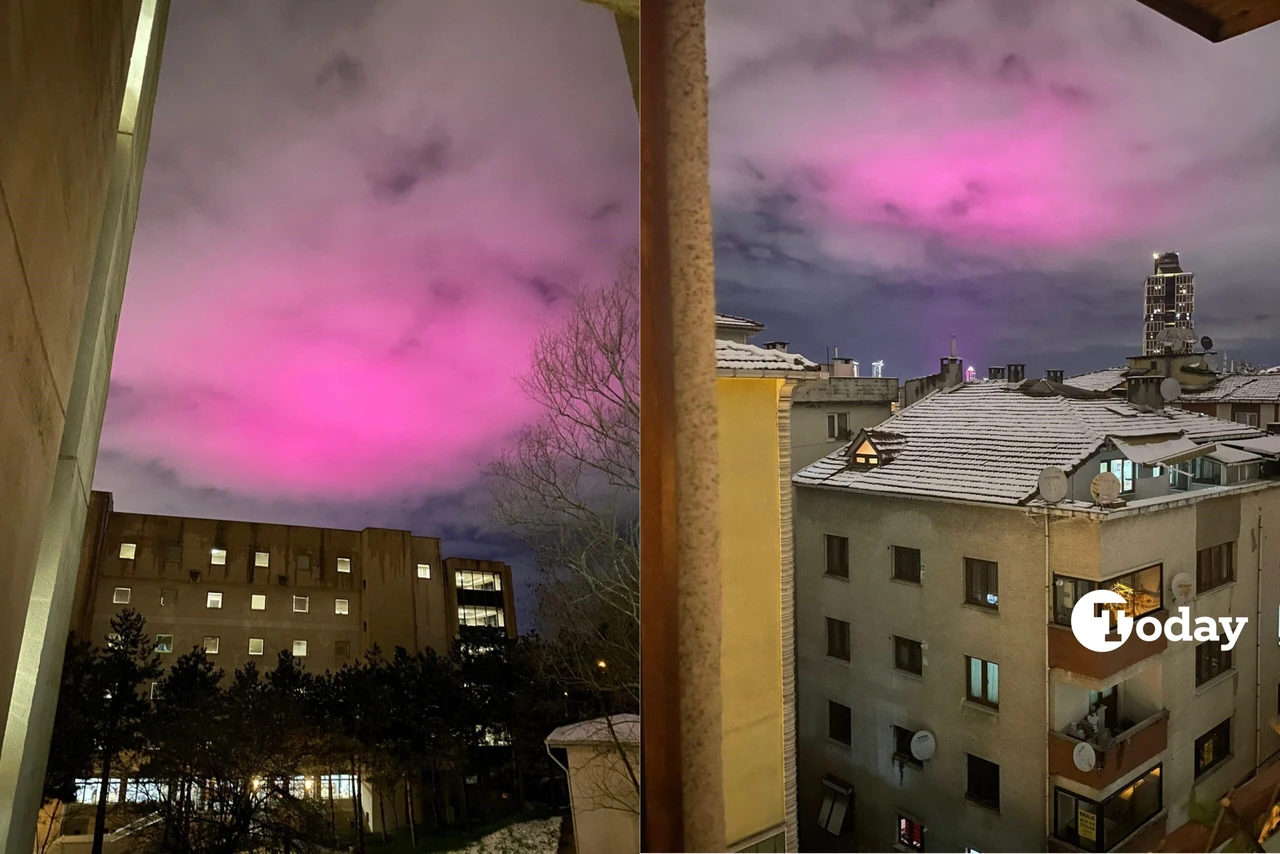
(750, 560)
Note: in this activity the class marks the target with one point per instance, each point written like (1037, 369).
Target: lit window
(211, 645)
(258, 602)
(218, 557)
(128, 550)
(299, 649)
(121, 596)
(480, 615)
(301, 604)
(866, 455)
(164, 643)
(155, 691)
(984, 682)
(111, 639)
(344, 564)
(213, 600)
(910, 834)
(424, 570)
(261, 559)
(255, 646)
(468, 580)
(340, 606)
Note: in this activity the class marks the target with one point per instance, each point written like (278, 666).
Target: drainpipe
(1048, 702)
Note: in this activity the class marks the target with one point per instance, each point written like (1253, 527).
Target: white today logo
(1102, 628)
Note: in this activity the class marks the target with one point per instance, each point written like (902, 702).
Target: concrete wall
(606, 807)
(877, 608)
(77, 85)
(751, 562)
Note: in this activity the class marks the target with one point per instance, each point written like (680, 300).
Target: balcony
(1066, 653)
(1116, 757)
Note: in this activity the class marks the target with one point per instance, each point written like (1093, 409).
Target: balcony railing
(1067, 653)
(1124, 754)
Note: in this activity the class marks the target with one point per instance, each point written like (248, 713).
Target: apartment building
(244, 591)
(826, 413)
(934, 595)
(1252, 399)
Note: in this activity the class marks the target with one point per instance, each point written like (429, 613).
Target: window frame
(1101, 842)
(914, 651)
(262, 645)
(424, 571)
(217, 643)
(985, 671)
(902, 747)
(306, 604)
(1215, 566)
(1207, 738)
(834, 652)
(115, 595)
(832, 707)
(261, 560)
(344, 565)
(253, 601)
(297, 654)
(977, 797)
(133, 551)
(910, 841)
(209, 600)
(217, 557)
(988, 572)
(1212, 661)
(836, 795)
(840, 557)
(895, 566)
(163, 651)
(173, 597)
(345, 607)
(1081, 586)
(833, 426)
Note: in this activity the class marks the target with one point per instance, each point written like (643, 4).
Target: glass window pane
(975, 677)
(993, 682)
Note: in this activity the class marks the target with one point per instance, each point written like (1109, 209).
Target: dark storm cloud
(886, 174)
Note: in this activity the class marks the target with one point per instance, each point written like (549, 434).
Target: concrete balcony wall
(1126, 753)
(1066, 653)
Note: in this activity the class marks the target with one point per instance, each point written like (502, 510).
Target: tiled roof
(1239, 388)
(732, 356)
(731, 321)
(626, 728)
(1104, 380)
(989, 441)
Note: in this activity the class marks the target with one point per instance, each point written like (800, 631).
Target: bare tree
(568, 486)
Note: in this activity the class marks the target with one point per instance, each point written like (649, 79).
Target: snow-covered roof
(626, 728)
(1238, 388)
(732, 356)
(1104, 380)
(732, 321)
(1267, 446)
(989, 441)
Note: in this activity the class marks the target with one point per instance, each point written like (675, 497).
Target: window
(838, 639)
(839, 722)
(984, 783)
(218, 557)
(424, 570)
(1142, 591)
(838, 425)
(211, 645)
(1213, 748)
(1123, 470)
(261, 559)
(866, 456)
(173, 553)
(980, 583)
(1091, 826)
(128, 550)
(255, 646)
(258, 602)
(121, 595)
(1211, 661)
(301, 604)
(910, 834)
(213, 600)
(906, 564)
(902, 747)
(164, 643)
(344, 564)
(984, 681)
(480, 615)
(1249, 418)
(837, 556)
(1215, 566)
(835, 805)
(168, 597)
(472, 580)
(112, 638)
(154, 691)
(299, 649)
(342, 650)
(908, 655)
(302, 561)
(340, 606)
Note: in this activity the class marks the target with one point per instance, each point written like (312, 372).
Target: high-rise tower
(1169, 303)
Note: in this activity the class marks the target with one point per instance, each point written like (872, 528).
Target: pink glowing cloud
(347, 245)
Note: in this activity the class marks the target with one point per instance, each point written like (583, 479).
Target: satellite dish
(1105, 488)
(1207, 343)
(1084, 757)
(1175, 337)
(922, 745)
(1213, 360)
(1053, 484)
(1183, 587)
(1170, 389)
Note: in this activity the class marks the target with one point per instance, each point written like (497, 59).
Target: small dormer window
(866, 455)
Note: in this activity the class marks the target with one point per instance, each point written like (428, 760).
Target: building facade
(1169, 301)
(245, 591)
(1252, 399)
(935, 594)
(826, 413)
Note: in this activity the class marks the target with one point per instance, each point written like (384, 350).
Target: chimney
(995, 372)
(841, 367)
(1145, 391)
(780, 346)
(1017, 373)
(952, 373)
(1053, 376)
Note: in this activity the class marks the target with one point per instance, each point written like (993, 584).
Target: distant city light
(970, 374)
(877, 368)
(855, 369)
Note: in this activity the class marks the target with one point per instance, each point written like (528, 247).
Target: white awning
(1162, 452)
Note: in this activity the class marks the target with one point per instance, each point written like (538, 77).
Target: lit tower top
(1168, 303)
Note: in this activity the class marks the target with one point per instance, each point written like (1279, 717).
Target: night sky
(887, 174)
(355, 218)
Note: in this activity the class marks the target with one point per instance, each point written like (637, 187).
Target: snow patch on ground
(529, 837)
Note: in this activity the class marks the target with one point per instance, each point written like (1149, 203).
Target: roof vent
(1053, 376)
(1017, 373)
(781, 346)
(995, 372)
